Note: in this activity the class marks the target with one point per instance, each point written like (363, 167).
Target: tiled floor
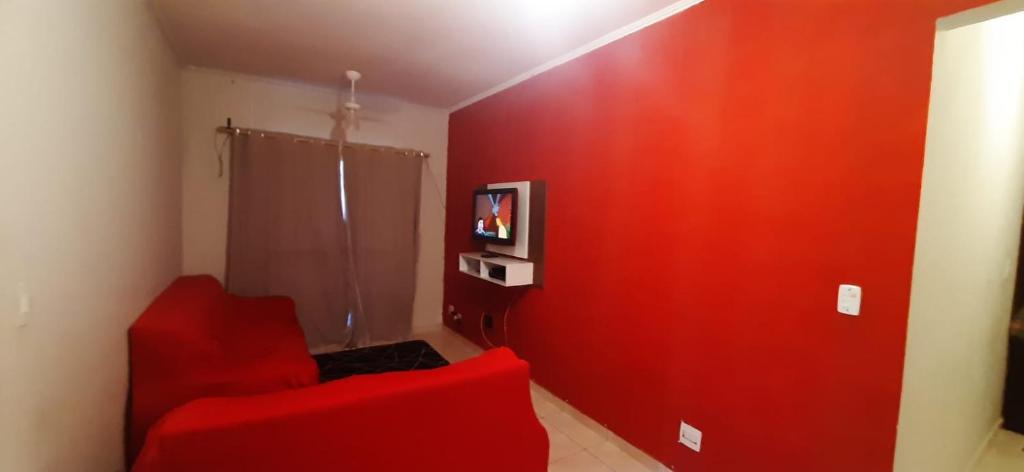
(1005, 453)
(578, 443)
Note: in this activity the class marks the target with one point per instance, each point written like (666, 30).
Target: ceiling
(434, 52)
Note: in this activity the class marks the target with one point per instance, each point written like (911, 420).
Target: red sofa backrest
(471, 416)
(180, 327)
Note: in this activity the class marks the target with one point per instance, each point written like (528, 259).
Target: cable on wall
(504, 322)
(436, 184)
(484, 331)
(508, 311)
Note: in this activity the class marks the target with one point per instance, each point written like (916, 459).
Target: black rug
(410, 355)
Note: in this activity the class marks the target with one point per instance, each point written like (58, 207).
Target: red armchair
(196, 341)
(472, 416)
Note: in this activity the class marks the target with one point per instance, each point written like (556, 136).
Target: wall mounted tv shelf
(525, 262)
(517, 272)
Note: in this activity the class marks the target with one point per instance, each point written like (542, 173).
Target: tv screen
(494, 212)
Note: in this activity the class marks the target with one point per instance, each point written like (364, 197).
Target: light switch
(849, 300)
(24, 306)
(690, 436)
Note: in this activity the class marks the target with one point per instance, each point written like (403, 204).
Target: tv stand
(517, 272)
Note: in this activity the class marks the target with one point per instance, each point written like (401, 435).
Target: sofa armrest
(152, 399)
(471, 416)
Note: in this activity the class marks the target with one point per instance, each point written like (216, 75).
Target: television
(494, 214)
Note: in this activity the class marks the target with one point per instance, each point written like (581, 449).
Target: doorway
(968, 245)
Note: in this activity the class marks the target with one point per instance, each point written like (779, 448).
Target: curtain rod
(309, 139)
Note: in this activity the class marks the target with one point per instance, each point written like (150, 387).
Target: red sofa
(196, 340)
(475, 415)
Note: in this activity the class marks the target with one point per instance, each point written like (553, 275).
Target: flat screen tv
(494, 213)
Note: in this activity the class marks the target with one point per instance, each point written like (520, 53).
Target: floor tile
(453, 347)
(582, 461)
(621, 461)
(544, 407)
(560, 444)
(1005, 453)
(576, 430)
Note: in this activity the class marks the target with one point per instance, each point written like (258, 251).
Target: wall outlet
(849, 300)
(690, 436)
(488, 321)
(455, 316)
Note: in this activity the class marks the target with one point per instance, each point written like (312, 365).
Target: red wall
(712, 179)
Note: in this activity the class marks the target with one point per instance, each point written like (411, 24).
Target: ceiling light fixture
(346, 115)
(351, 106)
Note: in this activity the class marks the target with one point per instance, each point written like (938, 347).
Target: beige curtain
(286, 234)
(382, 188)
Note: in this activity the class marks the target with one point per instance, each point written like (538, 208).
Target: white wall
(211, 96)
(967, 245)
(89, 220)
